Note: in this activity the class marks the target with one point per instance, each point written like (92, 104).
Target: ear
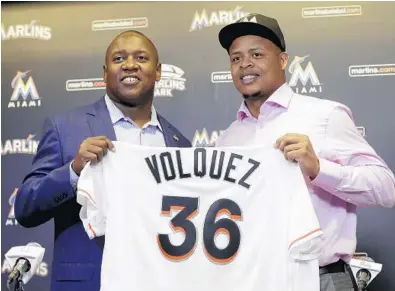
(158, 71)
(105, 73)
(283, 60)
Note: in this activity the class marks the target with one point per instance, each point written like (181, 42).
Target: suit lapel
(171, 138)
(99, 120)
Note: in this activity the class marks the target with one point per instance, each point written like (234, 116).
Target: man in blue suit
(69, 141)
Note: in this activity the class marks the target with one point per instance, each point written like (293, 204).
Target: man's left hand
(297, 147)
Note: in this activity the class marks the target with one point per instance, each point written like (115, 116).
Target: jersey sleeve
(305, 234)
(92, 200)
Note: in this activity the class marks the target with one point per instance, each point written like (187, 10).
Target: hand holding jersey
(92, 150)
(298, 148)
(201, 219)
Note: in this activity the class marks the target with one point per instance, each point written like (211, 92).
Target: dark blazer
(46, 193)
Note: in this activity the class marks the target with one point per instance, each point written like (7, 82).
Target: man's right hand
(91, 150)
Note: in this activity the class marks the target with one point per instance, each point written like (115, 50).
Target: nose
(246, 62)
(129, 64)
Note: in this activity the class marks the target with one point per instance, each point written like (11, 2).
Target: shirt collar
(281, 97)
(117, 115)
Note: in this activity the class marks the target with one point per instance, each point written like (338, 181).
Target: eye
(235, 59)
(257, 55)
(118, 59)
(142, 58)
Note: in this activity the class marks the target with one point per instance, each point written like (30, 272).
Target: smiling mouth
(130, 80)
(248, 79)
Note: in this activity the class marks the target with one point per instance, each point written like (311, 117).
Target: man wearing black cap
(342, 170)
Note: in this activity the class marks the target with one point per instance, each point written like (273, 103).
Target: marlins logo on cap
(251, 19)
(252, 24)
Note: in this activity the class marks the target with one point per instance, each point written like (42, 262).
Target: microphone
(22, 266)
(25, 261)
(364, 270)
(363, 277)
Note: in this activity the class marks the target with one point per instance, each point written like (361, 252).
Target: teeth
(130, 80)
(248, 77)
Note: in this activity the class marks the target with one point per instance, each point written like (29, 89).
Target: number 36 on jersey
(188, 209)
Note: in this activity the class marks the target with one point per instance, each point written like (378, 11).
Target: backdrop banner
(52, 58)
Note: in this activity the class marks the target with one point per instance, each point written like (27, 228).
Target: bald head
(128, 34)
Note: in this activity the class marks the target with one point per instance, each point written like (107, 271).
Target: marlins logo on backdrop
(25, 94)
(42, 270)
(30, 30)
(222, 17)
(171, 79)
(204, 139)
(307, 77)
(20, 146)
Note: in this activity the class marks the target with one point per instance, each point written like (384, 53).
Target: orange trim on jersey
(225, 210)
(222, 230)
(175, 258)
(219, 261)
(190, 216)
(179, 208)
(304, 236)
(87, 193)
(172, 207)
(221, 211)
(216, 260)
(177, 229)
(236, 217)
(92, 230)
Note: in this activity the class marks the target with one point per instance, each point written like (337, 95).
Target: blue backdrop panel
(52, 57)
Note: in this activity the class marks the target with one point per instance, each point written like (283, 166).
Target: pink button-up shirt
(351, 173)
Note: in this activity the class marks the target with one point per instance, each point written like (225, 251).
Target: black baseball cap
(252, 24)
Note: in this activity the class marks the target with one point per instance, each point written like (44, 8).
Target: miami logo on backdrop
(204, 139)
(11, 214)
(25, 93)
(306, 75)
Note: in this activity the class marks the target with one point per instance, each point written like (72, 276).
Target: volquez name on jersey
(220, 165)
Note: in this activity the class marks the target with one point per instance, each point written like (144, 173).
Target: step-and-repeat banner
(52, 57)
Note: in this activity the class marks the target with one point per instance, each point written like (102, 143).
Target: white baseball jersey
(194, 219)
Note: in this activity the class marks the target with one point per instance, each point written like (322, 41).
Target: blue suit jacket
(46, 193)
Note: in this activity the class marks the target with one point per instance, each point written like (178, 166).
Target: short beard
(255, 96)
